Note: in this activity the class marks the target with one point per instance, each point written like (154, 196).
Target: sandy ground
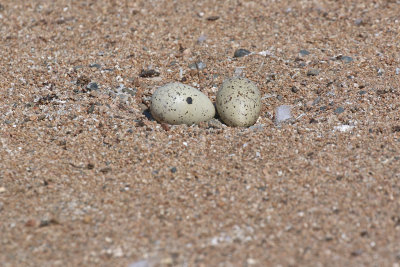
(88, 179)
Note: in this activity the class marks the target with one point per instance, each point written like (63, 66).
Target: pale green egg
(238, 102)
(177, 103)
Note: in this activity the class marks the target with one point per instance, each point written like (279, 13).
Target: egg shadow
(217, 116)
(148, 115)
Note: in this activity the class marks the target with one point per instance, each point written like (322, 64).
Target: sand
(87, 178)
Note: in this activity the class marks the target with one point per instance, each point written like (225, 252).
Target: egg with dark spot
(238, 102)
(177, 103)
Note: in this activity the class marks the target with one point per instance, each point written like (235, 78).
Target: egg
(238, 102)
(177, 103)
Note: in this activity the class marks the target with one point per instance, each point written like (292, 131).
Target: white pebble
(283, 113)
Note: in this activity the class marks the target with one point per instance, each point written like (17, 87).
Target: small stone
(215, 124)
(197, 65)
(380, 72)
(201, 39)
(129, 91)
(31, 223)
(313, 72)
(258, 127)
(397, 71)
(142, 263)
(2, 190)
(241, 52)
(282, 114)
(362, 92)
(356, 253)
(92, 86)
(316, 101)
(294, 89)
(91, 109)
(358, 22)
(213, 18)
(87, 219)
(82, 81)
(149, 73)
(304, 52)
(174, 170)
(95, 65)
(339, 110)
(347, 59)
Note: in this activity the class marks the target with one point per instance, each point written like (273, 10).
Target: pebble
(304, 52)
(397, 71)
(213, 18)
(339, 110)
(347, 59)
(241, 52)
(313, 72)
(177, 103)
(149, 73)
(282, 113)
(95, 65)
(238, 102)
(380, 72)
(197, 65)
(201, 39)
(129, 91)
(142, 263)
(316, 101)
(362, 92)
(92, 86)
(358, 22)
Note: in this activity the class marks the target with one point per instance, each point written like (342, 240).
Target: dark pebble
(173, 169)
(313, 72)
(213, 18)
(339, 110)
(92, 86)
(95, 65)
(347, 59)
(91, 109)
(82, 81)
(304, 52)
(362, 92)
(294, 89)
(356, 253)
(241, 52)
(149, 73)
(396, 129)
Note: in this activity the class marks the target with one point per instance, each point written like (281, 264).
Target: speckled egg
(239, 102)
(177, 103)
